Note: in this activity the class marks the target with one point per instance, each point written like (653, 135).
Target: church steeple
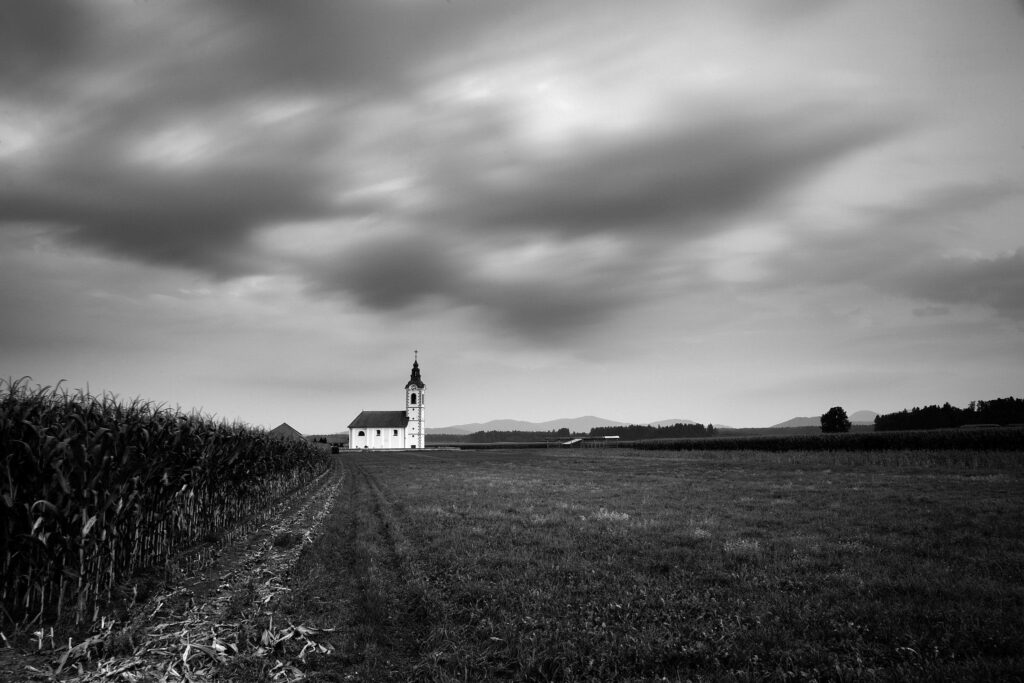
(415, 397)
(414, 379)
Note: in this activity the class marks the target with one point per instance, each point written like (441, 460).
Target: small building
(393, 429)
(285, 431)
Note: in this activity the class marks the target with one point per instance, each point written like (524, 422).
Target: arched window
(362, 433)
(412, 399)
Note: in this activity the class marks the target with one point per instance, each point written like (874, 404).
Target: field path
(358, 584)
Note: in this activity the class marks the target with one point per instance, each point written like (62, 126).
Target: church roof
(380, 418)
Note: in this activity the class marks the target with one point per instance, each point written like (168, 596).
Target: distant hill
(576, 425)
(860, 417)
(799, 422)
(454, 429)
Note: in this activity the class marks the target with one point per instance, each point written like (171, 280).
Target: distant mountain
(454, 429)
(576, 425)
(669, 423)
(799, 422)
(861, 417)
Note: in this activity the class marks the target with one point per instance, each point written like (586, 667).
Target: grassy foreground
(624, 565)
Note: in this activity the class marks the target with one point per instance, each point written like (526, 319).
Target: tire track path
(358, 581)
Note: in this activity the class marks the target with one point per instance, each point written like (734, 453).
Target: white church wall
(377, 437)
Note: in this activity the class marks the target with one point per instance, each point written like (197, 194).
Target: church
(384, 429)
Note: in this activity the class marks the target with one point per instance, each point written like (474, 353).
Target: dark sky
(650, 210)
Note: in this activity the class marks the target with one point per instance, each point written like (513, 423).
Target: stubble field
(629, 565)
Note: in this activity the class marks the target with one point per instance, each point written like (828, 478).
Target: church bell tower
(415, 391)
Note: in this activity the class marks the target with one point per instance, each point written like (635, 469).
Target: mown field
(643, 565)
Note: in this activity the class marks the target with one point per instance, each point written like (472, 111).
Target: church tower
(415, 391)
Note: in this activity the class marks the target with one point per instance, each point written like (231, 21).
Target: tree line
(624, 432)
(499, 436)
(637, 432)
(1000, 411)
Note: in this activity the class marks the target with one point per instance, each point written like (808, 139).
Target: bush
(835, 421)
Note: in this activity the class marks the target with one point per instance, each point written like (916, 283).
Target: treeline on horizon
(1000, 411)
(637, 432)
(626, 432)
(502, 436)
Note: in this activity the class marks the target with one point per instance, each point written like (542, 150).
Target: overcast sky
(729, 212)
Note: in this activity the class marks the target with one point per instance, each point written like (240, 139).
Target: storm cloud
(170, 136)
(181, 167)
(994, 282)
(199, 220)
(679, 179)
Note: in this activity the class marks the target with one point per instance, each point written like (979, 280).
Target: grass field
(628, 565)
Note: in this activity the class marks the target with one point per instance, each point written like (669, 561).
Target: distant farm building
(285, 431)
(391, 429)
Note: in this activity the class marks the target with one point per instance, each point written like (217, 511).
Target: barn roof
(380, 418)
(286, 431)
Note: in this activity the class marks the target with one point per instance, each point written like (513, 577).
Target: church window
(394, 432)
(378, 432)
(412, 399)
(362, 433)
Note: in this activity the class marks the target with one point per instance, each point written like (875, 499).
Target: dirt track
(358, 583)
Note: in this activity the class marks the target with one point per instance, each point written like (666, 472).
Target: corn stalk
(93, 490)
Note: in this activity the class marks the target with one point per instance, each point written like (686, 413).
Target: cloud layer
(535, 177)
(326, 115)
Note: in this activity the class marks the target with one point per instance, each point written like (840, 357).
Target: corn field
(93, 490)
